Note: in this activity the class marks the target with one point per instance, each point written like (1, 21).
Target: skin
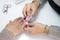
(30, 9)
(36, 28)
(19, 24)
(16, 26)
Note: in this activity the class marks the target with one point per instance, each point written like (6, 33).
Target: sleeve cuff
(40, 1)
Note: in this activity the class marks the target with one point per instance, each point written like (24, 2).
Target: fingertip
(24, 11)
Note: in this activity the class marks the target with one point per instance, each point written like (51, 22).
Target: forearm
(6, 35)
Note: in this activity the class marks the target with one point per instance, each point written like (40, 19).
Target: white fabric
(40, 1)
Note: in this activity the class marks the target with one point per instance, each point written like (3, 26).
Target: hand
(36, 28)
(30, 9)
(16, 26)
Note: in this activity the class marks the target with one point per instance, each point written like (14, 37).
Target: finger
(22, 26)
(31, 24)
(33, 12)
(24, 10)
(28, 11)
(17, 19)
(20, 21)
(28, 29)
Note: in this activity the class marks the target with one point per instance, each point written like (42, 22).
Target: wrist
(36, 3)
(12, 31)
(46, 29)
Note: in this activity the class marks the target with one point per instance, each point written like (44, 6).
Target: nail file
(28, 19)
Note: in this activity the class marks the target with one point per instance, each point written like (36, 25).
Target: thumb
(31, 25)
(33, 12)
(28, 29)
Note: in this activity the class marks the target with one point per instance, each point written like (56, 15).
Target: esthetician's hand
(30, 9)
(16, 26)
(36, 28)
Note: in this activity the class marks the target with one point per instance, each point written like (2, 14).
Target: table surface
(45, 15)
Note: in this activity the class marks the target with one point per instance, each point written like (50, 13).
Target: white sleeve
(54, 31)
(6, 35)
(40, 1)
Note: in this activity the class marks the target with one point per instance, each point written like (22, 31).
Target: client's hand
(16, 26)
(36, 28)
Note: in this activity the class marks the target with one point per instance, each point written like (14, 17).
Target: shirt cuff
(40, 1)
(6, 35)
